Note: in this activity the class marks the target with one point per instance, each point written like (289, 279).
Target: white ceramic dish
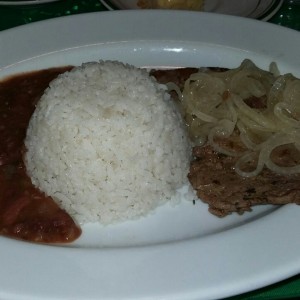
(26, 2)
(256, 9)
(179, 252)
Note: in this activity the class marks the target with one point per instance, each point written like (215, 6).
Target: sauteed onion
(261, 108)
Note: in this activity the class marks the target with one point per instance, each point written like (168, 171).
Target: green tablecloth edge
(287, 289)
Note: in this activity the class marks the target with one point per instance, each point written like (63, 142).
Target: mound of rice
(107, 143)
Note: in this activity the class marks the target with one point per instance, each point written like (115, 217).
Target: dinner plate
(177, 252)
(257, 9)
(25, 2)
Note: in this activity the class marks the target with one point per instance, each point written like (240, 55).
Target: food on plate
(245, 126)
(107, 143)
(171, 4)
(25, 212)
(111, 126)
(213, 176)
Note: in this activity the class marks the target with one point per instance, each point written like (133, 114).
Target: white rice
(107, 143)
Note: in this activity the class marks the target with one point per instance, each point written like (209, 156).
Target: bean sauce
(25, 212)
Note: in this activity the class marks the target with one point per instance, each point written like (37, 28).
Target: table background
(288, 15)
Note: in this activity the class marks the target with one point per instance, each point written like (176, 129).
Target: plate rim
(271, 10)
(27, 2)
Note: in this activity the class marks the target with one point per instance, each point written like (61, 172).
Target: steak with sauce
(213, 177)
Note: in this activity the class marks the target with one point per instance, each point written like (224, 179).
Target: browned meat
(259, 103)
(180, 75)
(213, 177)
(177, 76)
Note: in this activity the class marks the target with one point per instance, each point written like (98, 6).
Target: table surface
(288, 15)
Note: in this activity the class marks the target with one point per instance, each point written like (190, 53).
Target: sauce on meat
(25, 212)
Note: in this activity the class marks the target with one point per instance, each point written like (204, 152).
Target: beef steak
(213, 177)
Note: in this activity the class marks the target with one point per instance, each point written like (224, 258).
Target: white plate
(179, 252)
(256, 9)
(26, 2)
